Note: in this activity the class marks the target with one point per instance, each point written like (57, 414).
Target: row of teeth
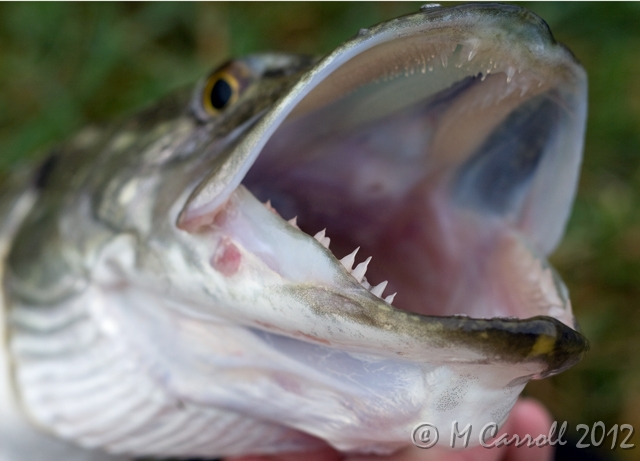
(347, 262)
(359, 271)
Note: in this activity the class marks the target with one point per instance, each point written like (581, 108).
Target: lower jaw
(444, 261)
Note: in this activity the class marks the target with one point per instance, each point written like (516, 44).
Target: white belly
(19, 439)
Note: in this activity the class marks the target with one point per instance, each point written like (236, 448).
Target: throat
(83, 378)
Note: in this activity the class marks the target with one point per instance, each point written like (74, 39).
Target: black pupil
(220, 94)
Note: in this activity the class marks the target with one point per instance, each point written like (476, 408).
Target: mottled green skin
(90, 166)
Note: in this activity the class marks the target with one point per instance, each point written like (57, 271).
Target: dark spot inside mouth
(493, 178)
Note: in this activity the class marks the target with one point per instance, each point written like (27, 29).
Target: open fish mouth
(447, 156)
(354, 245)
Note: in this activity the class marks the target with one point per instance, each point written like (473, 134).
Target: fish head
(264, 226)
(446, 145)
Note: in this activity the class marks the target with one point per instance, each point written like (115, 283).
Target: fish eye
(220, 92)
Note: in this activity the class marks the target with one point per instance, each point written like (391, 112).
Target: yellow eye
(220, 92)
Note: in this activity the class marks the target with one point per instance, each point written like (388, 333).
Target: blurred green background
(63, 65)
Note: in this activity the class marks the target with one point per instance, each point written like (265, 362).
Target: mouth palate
(435, 167)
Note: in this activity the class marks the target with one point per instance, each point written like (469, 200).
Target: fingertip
(529, 418)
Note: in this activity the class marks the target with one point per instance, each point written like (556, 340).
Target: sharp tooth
(389, 299)
(379, 289)
(361, 269)
(294, 222)
(320, 237)
(267, 204)
(348, 260)
(365, 283)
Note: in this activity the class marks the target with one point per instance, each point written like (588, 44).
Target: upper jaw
(512, 69)
(518, 65)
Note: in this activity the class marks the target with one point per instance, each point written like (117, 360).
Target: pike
(299, 252)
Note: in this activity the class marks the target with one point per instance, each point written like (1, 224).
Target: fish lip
(539, 338)
(500, 340)
(510, 339)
